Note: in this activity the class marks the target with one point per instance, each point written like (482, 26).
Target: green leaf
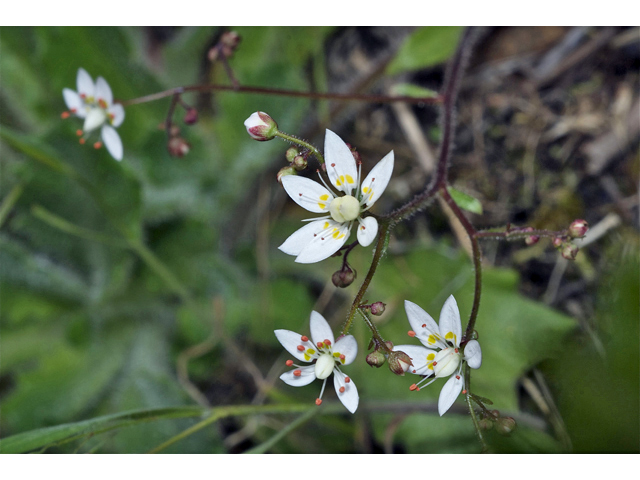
(464, 201)
(427, 46)
(410, 90)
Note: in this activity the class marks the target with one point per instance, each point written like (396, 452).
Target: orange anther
(342, 357)
(434, 363)
(413, 387)
(304, 338)
(424, 325)
(347, 379)
(300, 348)
(97, 145)
(411, 333)
(288, 363)
(320, 345)
(455, 350)
(457, 377)
(79, 133)
(464, 392)
(327, 342)
(318, 401)
(297, 373)
(65, 115)
(82, 140)
(342, 389)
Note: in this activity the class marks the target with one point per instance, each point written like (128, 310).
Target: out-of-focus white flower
(324, 236)
(326, 357)
(441, 355)
(93, 102)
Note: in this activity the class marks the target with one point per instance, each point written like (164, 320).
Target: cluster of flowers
(442, 354)
(93, 102)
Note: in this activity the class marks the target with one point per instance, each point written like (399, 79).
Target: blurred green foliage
(108, 270)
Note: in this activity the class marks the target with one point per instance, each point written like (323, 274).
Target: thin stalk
(298, 141)
(354, 97)
(301, 420)
(9, 202)
(472, 412)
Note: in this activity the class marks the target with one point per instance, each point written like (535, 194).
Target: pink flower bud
(578, 228)
(569, 251)
(377, 308)
(178, 147)
(531, 239)
(299, 163)
(261, 127)
(558, 242)
(399, 362)
(191, 116)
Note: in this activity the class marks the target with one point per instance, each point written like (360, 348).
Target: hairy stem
(302, 143)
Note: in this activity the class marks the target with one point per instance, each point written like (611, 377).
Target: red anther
(300, 348)
(318, 401)
(413, 371)
(327, 342)
(102, 103)
(413, 387)
(456, 350)
(411, 333)
(288, 363)
(347, 379)
(434, 363)
(342, 389)
(417, 389)
(82, 140)
(297, 373)
(464, 392)
(97, 145)
(83, 95)
(320, 345)
(342, 357)
(73, 110)
(457, 377)
(79, 133)
(333, 164)
(65, 114)
(304, 338)
(424, 325)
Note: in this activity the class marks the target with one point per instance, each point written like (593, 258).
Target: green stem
(374, 331)
(9, 201)
(263, 447)
(472, 412)
(381, 248)
(297, 141)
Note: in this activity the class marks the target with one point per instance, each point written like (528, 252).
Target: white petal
(112, 141)
(73, 100)
(449, 393)
(307, 375)
(450, 321)
(103, 91)
(320, 329)
(94, 119)
(308, 194)
(290, 341)
(348, 347)
(84, 83)
(377, 180)
(473, 354)
(340, 164)
(418, 356)
(349, 397)
(425, 327)
(325, 243)
(301, 237)
(367, 231)
(117, 111)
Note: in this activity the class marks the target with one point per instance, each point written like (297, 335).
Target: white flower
(94, 103)
(326, 358)
(442, 356)
(325, 235)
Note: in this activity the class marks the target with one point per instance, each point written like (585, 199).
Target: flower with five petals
(93, 102)
(326, 357)
(442, 355)
(325, 235)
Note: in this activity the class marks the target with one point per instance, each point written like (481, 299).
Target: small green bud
(569, 251)
(505, 425)
(291, 153)
(285, 171)
(299, 163)
(376, 359)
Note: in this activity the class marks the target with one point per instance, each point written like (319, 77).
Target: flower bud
(285, 171)
(178, 147)
(229, 41)
(377, 308)
(399, 362)
(505, 425)
(569, 251)
(291, 153)
(558, 242)
(531, 239)
(343, 278)
(261, 127)
(389, 344)
(191, 116)
(299, 163)
(485, 424)
(376, 359)
(578, 228)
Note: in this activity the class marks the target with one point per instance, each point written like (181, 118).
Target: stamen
(457, 377)
(300, 348)
(64, 115)
(79, 133)
(97, 145)
(289, 363)
(413, 387)
(424, 325)
(342, 389)
(464, 392)
(411, 333)
(82, 140)
(347, 380)
(320, 345)
(327, 342)
(325, 183)
(297, 373)
(342, 357)
(455, 350)
(318, 402)
(304, 338)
